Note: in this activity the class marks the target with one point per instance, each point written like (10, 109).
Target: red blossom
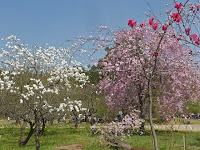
(176, 17)
(187, 31)
(131, 23)
(198, 6)
(155, 26)
(141, 25)
(193, 37)
(197, 41)
(192, 7)
(151, 21)
(164, 28)
(155, 53)
(134, 23)
(178, 6)
(190, 52)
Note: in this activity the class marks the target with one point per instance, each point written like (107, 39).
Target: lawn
(63, 134)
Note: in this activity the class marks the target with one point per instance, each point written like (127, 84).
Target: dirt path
(193, 127)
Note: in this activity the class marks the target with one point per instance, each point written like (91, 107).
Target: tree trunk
(17, 122)
(142, 116)
(142, 129)
(29, 135)
(23, 130)
(150, 115)
(76, 123)
(75, 115)
(37, 132)
(92, 121)
(51, 122)
(87, 119)
(43, 127)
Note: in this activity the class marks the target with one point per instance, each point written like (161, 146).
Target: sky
(54, 21)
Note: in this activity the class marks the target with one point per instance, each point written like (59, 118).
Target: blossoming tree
(34, 77)
(153, 62)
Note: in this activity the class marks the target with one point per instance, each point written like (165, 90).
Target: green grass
(63, 134)
(167, 140)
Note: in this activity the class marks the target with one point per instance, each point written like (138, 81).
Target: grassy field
(63, 134)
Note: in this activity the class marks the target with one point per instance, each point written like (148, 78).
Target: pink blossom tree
(153, 62)
(147, 57)
(128, 68)
(128, 64)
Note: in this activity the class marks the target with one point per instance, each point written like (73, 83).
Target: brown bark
(18, 122)
(37, 130)
(23, 130)
(43, 127)
(142, 116)
(76, 123)
(37, 134)
(150, 115)
(32, 130)
(51, 121)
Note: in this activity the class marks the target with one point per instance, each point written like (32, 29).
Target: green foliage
(93, 74)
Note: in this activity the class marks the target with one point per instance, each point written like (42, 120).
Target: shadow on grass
(51, 132)
(195, 143)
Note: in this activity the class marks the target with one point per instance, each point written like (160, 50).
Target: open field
(64, 134)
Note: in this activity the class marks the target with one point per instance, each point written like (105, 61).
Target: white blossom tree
(33, 77)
